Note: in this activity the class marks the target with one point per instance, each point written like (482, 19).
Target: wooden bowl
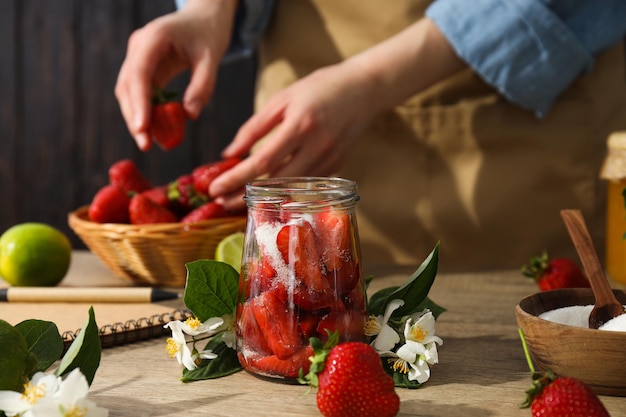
(596, 357)
(154, 254)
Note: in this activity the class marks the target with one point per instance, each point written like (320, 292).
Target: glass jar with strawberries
(301, 272)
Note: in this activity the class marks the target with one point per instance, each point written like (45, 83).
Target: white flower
(69, 401)
(423, 330)
(51, 396)
(386, 336)
(420, 349)
(193, 327)
(176, 346)
(414, 359)
(39, 387)
(230, 325)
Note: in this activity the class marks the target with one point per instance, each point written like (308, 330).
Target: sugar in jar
(301, 272)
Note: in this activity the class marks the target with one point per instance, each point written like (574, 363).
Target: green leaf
(16, 361)
(212, 288)
(225, 364)
(84, 352)
(414, 291)
(43, 340)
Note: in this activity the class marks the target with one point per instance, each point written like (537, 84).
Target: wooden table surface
(482, 370)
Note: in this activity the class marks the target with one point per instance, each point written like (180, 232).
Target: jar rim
(302, 192)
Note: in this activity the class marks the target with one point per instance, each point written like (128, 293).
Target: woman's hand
(312, 125)
(193, 38)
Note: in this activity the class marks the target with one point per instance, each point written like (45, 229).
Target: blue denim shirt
(529, 50)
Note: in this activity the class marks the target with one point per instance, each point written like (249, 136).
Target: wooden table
(482, 370)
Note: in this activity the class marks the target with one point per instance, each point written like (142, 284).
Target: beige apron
(456, 163)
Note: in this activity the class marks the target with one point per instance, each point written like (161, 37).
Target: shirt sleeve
(251, 20)
(530, 50)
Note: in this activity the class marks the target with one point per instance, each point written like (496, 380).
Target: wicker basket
(155, 254)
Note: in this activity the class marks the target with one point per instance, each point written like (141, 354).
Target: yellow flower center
(372, 326)
(193, 322)
(400, 365)
(33, 393)
(418, 333)
(75, 412)
(171, 347)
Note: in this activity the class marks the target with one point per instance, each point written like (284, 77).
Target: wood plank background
(60, 124)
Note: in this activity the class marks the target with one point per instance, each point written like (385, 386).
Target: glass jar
(614, 171)
(300, 274)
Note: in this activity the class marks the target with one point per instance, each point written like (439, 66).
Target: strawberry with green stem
(167, 120)
(350, 380)
(555, 396)
(550, 274)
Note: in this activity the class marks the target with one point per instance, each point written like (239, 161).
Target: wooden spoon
(606, 306)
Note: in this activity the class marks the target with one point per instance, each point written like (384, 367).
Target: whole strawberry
(551, 274)
(207, 211)
(351, 380)
(167, 120)
(109, 205)
(142, 210)
(204, 175)
(553, 396)
(127, 176)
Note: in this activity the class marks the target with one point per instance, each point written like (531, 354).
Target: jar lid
(614, 167)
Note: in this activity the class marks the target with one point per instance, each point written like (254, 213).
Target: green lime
(230, 250)
(16, 361)
(34, 254)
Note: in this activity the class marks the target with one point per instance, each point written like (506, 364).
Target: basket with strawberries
(146, 233)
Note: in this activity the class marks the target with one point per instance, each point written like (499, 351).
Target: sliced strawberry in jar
(277, 321)
(250, 332)
(333, 233)
(288, 367)
(259, 276)
(297, 246)
(349, 324)
(344, 279)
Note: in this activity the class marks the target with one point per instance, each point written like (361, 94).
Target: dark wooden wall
(60, 124)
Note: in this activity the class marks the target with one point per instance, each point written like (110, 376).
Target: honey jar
(614, 171)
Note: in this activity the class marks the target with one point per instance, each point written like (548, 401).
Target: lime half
(230, 250)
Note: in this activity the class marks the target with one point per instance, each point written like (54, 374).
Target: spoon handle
(584, 245)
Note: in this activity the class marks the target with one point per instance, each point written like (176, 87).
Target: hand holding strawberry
(350, 380)
(551, 274)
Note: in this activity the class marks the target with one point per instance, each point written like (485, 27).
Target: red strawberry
(142, 210)
(207, 211)
(277, 322)
(555, 273)
(158, 195)
(296, 243)
(552, 396)
(167, 120)
(127, 176)
(350, 325)
(204, 175)
(109, 205)
(184, 195)
(351, 380)
(332, 228)
(251, 333)
(272, 365)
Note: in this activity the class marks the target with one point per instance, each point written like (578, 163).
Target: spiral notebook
(119, 324)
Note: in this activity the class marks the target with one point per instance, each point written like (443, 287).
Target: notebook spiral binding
(132, 330)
